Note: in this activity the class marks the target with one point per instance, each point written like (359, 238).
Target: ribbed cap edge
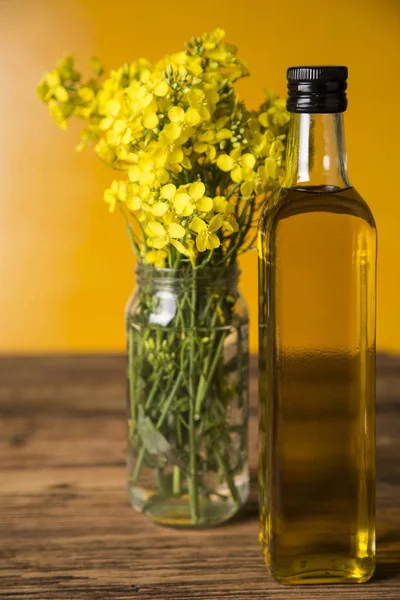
(318, 73)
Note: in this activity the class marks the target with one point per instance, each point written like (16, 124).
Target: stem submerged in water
(193, 487)
(181, 389)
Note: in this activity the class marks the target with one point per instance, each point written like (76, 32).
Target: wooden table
(67, 530)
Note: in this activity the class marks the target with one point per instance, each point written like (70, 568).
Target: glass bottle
(188, 395)
(317, 278)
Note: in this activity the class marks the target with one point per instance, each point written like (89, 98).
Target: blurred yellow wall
(66, 268)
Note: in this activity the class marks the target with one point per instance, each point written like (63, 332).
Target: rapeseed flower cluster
(192, 160)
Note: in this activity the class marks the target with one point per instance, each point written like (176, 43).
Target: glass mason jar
(188, 395)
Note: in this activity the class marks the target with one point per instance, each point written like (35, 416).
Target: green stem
(202, 389)
(232, 191)
(138, 465)
(153, 390)
(160, 421)
(176, 477)
(239, 342)
(210, 370)
(176, 481)
(193, 487)
(243, 406)
(131, 373)
(135, 245)
(168, 402)
(206, 311)
(227, 474)
(201, 369)
(134, 393)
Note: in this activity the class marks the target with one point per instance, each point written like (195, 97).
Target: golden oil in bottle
(317, 261)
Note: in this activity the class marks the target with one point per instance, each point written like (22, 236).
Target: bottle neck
(316, 153)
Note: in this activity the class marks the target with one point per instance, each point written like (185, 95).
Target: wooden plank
(68, 532)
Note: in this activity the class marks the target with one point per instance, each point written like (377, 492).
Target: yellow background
(65, 264)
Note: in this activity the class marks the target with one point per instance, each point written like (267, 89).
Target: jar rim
(206, 274)
(232, 269)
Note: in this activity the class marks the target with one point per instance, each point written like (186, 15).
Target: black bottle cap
(317, 89)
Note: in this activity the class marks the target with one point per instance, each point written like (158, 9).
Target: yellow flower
(178, 133)
(168, 191)
(201, 105)
(161, 88)
(197, 193)
(254, 182)
(159, 236)
(277, 149)
(59, 113)
(159, 209)
(270, 168)
(183, 204)
(207, 238)
(205, 145)
(116, 193)
(150, 120)
(156, 258)
(229, 223)
(188, 198)
(193, 65)
(176, 114)
(272, 163)
(275, 115)
(53, 85)
(138, 197)
(212, 39)
(226, 209)
(212, 136)
(221, 205)
(145, 172)
(240, 167)
(166, 154)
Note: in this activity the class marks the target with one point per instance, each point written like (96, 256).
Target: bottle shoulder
(288, 202)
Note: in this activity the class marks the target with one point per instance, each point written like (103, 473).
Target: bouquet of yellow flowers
(192, 166)
(193, 159)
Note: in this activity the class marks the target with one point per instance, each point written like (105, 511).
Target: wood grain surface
(68, 532)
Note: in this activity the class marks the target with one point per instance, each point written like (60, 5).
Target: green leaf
(157, 445)
(153, 440)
